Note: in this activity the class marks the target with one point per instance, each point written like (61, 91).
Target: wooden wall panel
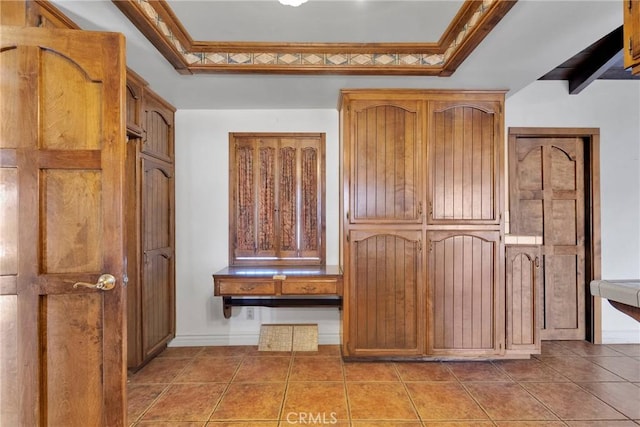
(463, 288)
(386, 172)
(72, 366)
(386, 300)
(464, 163)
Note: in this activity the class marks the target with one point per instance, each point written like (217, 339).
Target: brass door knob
(106, 282)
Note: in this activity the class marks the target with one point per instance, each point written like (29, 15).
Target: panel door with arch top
(547, 199)
(62, 151)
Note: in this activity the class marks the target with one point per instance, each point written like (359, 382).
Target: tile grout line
(286, 388)
(226, 389)
(406, 390)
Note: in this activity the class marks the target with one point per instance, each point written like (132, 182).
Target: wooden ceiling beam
(603, 56)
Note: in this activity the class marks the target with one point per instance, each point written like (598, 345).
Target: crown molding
(157, 21)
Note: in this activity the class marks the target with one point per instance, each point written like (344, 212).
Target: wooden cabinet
(523, 299)
(150, 217)
(418, 166)
(631, 32)
(385, 307)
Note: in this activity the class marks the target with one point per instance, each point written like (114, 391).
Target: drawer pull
(309, 288)
(247, 288)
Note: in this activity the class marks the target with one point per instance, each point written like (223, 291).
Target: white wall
(202, 222)
(614, 107)
(202, 199)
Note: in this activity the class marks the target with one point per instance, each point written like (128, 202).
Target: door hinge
(419, 245)
(419, 208)
(347, 237)
(431, 209)
(347, 215)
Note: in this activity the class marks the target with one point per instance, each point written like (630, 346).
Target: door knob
(106, 282)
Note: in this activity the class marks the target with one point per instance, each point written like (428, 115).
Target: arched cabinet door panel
(385, 298)
(385, 156)
(464, 293)
(464, 154)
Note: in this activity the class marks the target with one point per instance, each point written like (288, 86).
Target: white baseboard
(246, 338)
(620, 337)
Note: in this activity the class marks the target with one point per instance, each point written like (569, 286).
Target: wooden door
(385, 149)
(464, 294)
(385, 297)
(464, 154)
(61, 179)
(547, 199)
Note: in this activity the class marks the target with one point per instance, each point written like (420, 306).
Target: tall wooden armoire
(422, 223)
(150, 227)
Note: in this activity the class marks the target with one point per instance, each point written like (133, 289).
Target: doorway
(554, 192)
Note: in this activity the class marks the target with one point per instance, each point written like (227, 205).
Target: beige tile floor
(572, 383)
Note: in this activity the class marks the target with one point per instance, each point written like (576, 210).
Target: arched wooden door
(62, 358)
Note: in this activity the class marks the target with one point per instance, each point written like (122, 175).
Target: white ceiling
(534, 37)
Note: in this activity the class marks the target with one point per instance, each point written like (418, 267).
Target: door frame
(591, 139)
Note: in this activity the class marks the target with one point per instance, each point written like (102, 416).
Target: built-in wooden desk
(278, 286)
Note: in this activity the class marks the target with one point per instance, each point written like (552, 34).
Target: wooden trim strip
(474, 20)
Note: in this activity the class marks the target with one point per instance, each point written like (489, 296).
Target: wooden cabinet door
(547, 199)
(464, 293)
(158, 127)
(384, 154)
(384, 313)
(62, 143)
(523, 298)
(464, 154)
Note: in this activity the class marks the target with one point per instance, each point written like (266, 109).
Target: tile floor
(572, 383)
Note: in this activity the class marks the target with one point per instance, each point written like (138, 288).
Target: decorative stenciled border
(474, 20)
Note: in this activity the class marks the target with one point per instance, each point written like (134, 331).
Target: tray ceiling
(319, 37)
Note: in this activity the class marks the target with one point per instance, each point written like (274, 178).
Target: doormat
(302, 337)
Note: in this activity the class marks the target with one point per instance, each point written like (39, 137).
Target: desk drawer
(232, 287)
(310, 287)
